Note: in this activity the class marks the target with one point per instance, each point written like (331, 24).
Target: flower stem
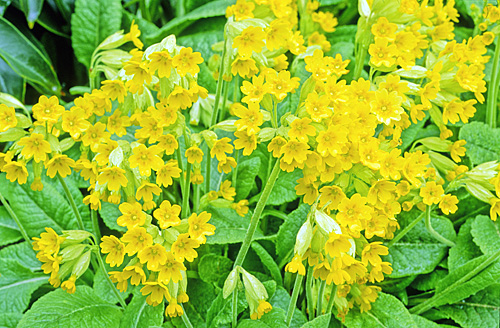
(309, 298)
(433, 232)
(256, 215)
(95, 224)
(329, 306)
(293, 299)
(491, 103)
(360, 61)
(235, 308)
(71, 202)
(405, 230)
(196, 198)
(110, 283)
(321, 295)
(179, 164)
(15, 218)
(427, 305)
(185, 319)
(187, 190)
(235, 172)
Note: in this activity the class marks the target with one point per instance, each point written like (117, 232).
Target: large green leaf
(92, 22)
(246, 177)
(214, 268)
(103, 290)
(284, 188)
(220, 311)
(26, 59)
(23, 254)
(387, 312)
(10, 81)
(268, 262)
(486, 234)
(480, 310)
(319, 322)
(17, 283)
(139, 314)
(109, 213)
(9, 231)
(176, 25)
(287, 233)
(281, 299)
(81, 309)
(418, 252)
(465, 249)
(230, 228)
(10, 320)
(483, 142)
(37, 210)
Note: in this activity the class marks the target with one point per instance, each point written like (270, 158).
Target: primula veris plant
(166, 138)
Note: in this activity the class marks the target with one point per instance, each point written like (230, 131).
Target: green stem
(421, 308)
(180, 9)
(256, 215)
(235, 172)
(405, 230)
(293, 299)
(360, 61)
(236, 88)
(433, 232)
(15, 218)
(95, 224)
(110, 283)
(181, 166)
(329, 306)
(71, 202)
(309, 297)
(321, 295)
(224, 100)
(215, 112)
(235, 308)
(491, 103)
(187, 191)
(196, 198)
(185, 319)
(275, 113)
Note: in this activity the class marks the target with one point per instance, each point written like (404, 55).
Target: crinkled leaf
(268, 262)
(17, 283)
(220, 312)
(81, 309)
(139, 314)
(23, 254)
(281, 299)
(418, 252)
(246, 177)
(91, 23)
(387, 312)
(230, 228)
(423, 322)
(284, 188)
(483, 142)
(465, 249)
(480, 310)
(287, 233)
(426, 282)
(26, 59)
(103, 290)
(486, 234)
(109, 213)
(201, 295)
(319, 322)
(10, 320)
(214, 268)
(9, 231)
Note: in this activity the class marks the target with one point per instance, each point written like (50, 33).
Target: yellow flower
(353, 212)
(140, 74)
(74, 122)
(276, 145)
(318, 106)
(173, 309)
(241, 207)
(194, 154)
(161, 62)
(457, 110)
(220, 148)
(7, 118)
(294, 151)
(199, 226)
(59, 164)
(49, 242)
(320, 40)
(35, 146)
(132, 215)
(69, 285)
(251, 118)
(168, 215)
(387, 106)
(47, 109)
(226, 165)
(114, 177)
(384, 29)
(431, 193)
(244, 66)
(114, 89)
(171, 270)
(187, 61)
(251, 39)
(371, 253)
(331, 196)
(136, 238)
(332, 141)
(156, 292)
(180, 98)
(145, 192)
(115, 248)
(246, 142)
(382, 54)
(495, 208)
(296, 265)
(255, 91)
(119, 279)
(308, 186)
(226, 191)
(448, 204)
(183, 248)
(277, 33)
(95, 135)
(300, 129)
(243, 9)
(151, 129)
(146, 159)
(134, 34)
(168, 144)
(325, 20)
(281, 83)
(457, 150)
(135, 273)
(155, 256)
(337, 244)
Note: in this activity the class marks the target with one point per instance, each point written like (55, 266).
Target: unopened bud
(75, 236)
(326, 223)
(254, 288)
(82, 264)
(72, 252)
(231, 283)
(479, 191)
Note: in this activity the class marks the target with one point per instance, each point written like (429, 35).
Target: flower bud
(304, 237)
(113, 41)
(441, 162)
(483, 172)
(326, 223)
(210, 137)
(82, 264)
(254, 288)
(227, 126)
(479, 191)
(72, 252)
(436, 144)
(75, 236)
(231, 283)
(266, 134)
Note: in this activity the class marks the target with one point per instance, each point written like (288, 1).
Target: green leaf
(23, 254)
(10, 320)
(319, 322)
(31, 9)
(214, 268)
(92, 22)
(281, 299)
(26, 59)
(201, 295)
(387, 312)
(178, 24)
(139, 314)
(417, 131)
(480, 310)
(10, 81)
(9, 231)
(423, 322)
(230, 228)
(465, 249)
(342, 34)
(486, 234)
(418, 252)
(247, 171)
(37, 210)
(268, 262)
(220, 311)
(287, 234)
(483, 142)
(103, 290)
(109, 213)
(426, 282)
(284, 188)
(81, 309)
(17, 283)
